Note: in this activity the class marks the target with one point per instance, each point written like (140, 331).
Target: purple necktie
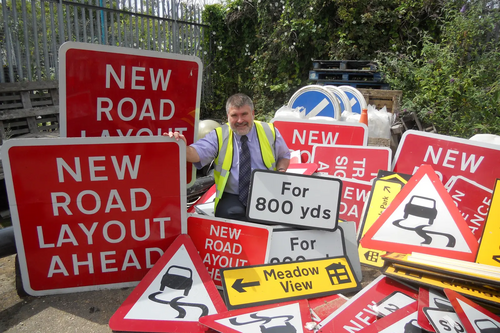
(245, 168)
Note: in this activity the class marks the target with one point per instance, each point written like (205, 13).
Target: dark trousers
(230, 207)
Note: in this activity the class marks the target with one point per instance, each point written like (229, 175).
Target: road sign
(285, 317)
(116, 91)
(226, 243)
(448, 156)
(173, 296)
(93, 213)
(382, 194)
(354, 196)
(208, 196)
(423, 218)
(317, 101)
(356, 98)
(489, 252)
(444, 321)
(300, 200)
(351, 246)
(473, 200)
(321, 307)
(430, 298)
(394, 302)
(485, 294)
(356, 162)
(359, 312)
(294, 244)
(304, 134)
(302, 168)
(458, 269)
(474, 318)
(402, 320)
(267, 284)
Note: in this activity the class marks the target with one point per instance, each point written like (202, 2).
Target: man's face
(241, 119)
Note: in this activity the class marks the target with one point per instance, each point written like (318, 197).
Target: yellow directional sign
(266, 284)
(489, 250)
(482, 293)
(383, 192)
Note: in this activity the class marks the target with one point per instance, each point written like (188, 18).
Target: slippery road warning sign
(423, 218)
(278, 197)
(266, 284)
(286, 317)
(173, 296)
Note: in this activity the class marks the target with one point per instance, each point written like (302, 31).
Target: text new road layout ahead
(265, 284)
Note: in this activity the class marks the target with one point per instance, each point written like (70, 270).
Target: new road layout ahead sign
(266, 284)
(115, 91)
(93, 213)
(283, 198)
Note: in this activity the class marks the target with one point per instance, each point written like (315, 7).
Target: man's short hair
(238, 100)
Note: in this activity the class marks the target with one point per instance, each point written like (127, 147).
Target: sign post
(94, 213)
(115, 91)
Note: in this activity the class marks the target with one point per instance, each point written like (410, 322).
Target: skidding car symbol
(486, 326)
(179, 278)
(421, 207)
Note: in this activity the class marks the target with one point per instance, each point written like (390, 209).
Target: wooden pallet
(391, 99)
(28, 108)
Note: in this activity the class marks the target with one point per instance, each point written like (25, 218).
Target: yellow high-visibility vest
(224, 160)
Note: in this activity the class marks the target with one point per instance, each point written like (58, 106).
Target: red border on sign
(118, 321)
(423, 302)
(211, 321)
(453, 297)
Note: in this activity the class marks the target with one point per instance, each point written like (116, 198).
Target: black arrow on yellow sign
(496, 258)
(387, 188)
(239, 286)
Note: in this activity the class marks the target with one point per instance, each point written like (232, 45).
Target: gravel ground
(76, 312)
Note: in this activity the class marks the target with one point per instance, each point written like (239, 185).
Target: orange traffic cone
(364, 117)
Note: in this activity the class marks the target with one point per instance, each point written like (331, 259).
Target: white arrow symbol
(320, 107)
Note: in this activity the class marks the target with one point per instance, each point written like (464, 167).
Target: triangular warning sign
(284, 317)
(172, 296)
(423, 218)
(474, 318)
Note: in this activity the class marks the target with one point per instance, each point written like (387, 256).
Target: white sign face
(481, 322)
(294, 245)
(168, 292)
(277, 197)
(272, 320)
(444, 321)
(394, 302)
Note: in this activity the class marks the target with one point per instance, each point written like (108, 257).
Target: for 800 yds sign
(293, 199)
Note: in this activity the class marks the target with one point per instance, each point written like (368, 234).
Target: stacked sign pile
(93, 212)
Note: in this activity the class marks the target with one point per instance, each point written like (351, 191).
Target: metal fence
(32, 31)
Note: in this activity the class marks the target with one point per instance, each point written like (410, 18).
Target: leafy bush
(454, 83)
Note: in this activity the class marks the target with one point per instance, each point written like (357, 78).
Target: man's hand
(175, 135)
(191, 153)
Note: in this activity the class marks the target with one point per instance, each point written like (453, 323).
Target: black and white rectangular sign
(299, 200)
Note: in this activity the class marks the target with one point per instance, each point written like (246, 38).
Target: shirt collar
(250, 135)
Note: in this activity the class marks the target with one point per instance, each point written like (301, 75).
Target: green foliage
(265, 48)
(453, 84)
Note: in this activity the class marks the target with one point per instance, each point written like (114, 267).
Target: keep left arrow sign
(287, 281)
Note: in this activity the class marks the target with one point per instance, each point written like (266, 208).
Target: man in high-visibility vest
(224, 144)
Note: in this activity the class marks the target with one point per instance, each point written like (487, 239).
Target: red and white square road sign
(93, 213)
(473, 200)
(227, 243)
(303, 135)
(354, 195)
(116, 91)
(448, 156)
(356, 162)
